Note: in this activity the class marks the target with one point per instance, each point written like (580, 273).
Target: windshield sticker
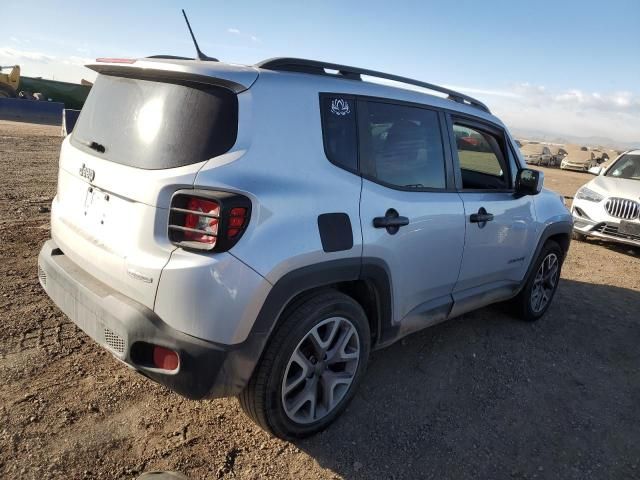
(340, 107)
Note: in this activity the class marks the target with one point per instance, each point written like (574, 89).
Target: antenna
(201, 56)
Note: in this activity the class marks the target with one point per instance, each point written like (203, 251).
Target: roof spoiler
(234, 78)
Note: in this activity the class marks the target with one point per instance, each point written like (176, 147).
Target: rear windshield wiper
(98, 147)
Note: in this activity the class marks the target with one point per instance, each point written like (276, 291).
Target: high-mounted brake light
(115, 60)
(207, 220)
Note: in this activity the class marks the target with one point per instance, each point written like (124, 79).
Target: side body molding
(484, 295)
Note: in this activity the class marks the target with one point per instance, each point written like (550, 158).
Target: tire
(289, 402)
(525, 304)
(6, 91)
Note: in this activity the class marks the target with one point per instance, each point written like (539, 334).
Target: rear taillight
(203, 226)
(206, 220)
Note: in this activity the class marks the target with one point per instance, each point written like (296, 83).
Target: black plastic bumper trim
(206, 369)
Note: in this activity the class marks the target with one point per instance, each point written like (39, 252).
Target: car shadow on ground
(489, 396)
(614, 246)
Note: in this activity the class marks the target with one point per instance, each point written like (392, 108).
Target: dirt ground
(482, 396)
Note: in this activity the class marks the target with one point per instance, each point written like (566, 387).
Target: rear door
(499, 234)
(411, 216)
(136, 142)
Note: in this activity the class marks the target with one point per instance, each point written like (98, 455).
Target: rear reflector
(237, 221)
(116, 60)
(165, 359)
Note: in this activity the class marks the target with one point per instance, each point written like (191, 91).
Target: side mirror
(595, 170)
(529, 182)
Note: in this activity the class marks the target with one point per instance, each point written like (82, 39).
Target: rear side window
(482, 163)
(156, 125)
(403, 146)
(339, 129)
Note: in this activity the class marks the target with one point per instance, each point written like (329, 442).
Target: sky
(561, 68)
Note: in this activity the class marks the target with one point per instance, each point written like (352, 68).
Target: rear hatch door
(138, 139)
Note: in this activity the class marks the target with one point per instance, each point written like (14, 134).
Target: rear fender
(241, 363)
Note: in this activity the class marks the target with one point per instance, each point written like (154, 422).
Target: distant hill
(542, 136)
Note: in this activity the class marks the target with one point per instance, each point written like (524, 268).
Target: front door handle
(392, 221)
(481, 217)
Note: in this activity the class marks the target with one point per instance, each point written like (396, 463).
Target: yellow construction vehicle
(9, 81)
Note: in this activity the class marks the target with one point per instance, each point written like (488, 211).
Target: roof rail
(316, 67)
(170, 57)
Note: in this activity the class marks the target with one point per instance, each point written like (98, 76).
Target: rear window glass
(405, 146)
(155, 125)
(339, 130)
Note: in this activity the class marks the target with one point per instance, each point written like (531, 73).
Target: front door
(499, 233)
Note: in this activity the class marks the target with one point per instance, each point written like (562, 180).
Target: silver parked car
(536, 154)
(258, 230)
(609, 205)
(580, 160)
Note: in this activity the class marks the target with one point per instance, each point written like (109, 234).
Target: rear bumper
(126, 328)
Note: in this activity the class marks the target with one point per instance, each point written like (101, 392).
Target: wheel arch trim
(244, 358)
(373, 271)
(562, 227)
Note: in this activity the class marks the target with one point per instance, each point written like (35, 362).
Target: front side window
(403, 145)
(339, 130)
(482, 164)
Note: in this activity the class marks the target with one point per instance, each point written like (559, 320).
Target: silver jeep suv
(258, 230)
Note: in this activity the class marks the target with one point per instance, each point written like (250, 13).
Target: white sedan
(609, 205)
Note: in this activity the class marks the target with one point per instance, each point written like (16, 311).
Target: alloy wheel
(545, 283)
(320, 371)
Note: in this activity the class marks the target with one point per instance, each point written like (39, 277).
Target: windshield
(153, 124)
(627, 166)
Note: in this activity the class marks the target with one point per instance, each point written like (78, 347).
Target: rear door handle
(481, 217)
(391, 221)
(384, 222)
